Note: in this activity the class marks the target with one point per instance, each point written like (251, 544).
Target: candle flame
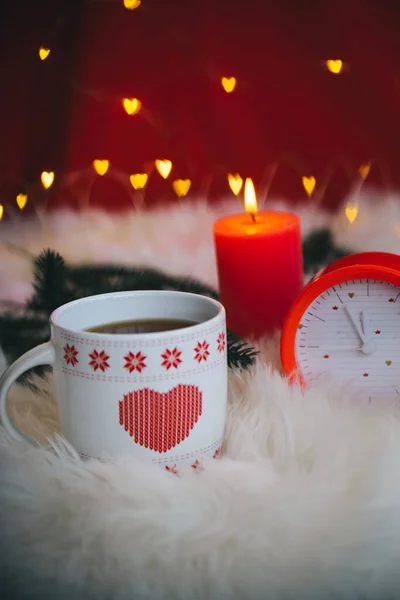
(250, 199)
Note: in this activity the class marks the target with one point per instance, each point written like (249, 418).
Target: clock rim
(323, 281)
(382, 259)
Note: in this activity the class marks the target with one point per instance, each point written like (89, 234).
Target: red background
(62, 113)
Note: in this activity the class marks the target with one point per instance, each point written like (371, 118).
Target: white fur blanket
(304, 503)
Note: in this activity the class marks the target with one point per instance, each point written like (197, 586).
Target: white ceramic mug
(160, 396)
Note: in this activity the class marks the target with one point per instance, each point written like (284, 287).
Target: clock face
(352, 330)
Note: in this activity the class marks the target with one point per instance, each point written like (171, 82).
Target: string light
(364, 170)
(21, 200)
(235, 183)
(309, 184)
(228, 83)
(47, 178)
(1, 211)
(43, 52)
(181, 187)
(351, 212)
(132, 4)
(101, 166)
(131, 105)
(163, 167)
(334, 65)
(138, 180)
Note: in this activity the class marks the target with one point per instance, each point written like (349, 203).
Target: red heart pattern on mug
(161, 420)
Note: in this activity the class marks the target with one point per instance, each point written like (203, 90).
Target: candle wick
(253, 217)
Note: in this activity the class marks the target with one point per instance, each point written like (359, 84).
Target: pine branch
(240, 354)
(18, 334)
(186, 284)
(50, 282)
(319, 250)
(88, 280)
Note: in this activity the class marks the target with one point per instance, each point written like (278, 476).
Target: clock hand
(364, 322)
(356, 324)
(368, 347)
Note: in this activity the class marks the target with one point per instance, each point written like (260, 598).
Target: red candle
(260, 266)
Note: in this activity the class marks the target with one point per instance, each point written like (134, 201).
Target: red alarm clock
(346, 324)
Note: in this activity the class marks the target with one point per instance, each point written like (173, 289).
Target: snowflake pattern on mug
(201, 351)
(99, 360)
(172, 469)
(197, 466)
(70, 354)
(134, 362)
(171, 358)
(221, 342)
(217, 453)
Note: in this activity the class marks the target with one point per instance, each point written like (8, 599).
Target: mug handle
(41, 355)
